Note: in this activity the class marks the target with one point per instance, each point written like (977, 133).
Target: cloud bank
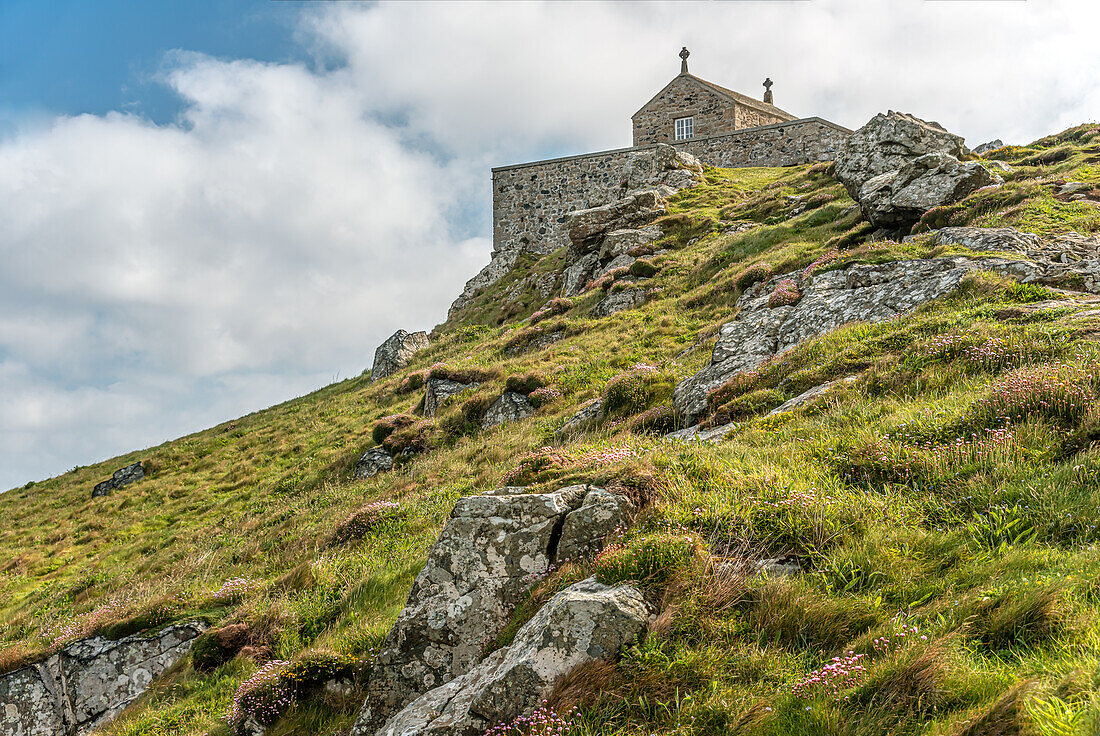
(160, 278)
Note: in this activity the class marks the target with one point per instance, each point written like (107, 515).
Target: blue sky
(210, 207)
(94, 56)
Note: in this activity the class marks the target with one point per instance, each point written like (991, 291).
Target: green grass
(904, 495)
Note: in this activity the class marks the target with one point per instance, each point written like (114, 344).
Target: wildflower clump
(821, 262)
(102, 616)
(537, 465)
(525, 384)
(786, 293)
(386, 426)
(661, 419)
(260, 699)
(543, 721)
(552, 308)
(412, 382)
(632, 391)
(1057, 391)
(363, 519)
(842, 673)
(235, 589)
(542, 396)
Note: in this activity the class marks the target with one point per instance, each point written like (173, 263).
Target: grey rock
(886, 143)
(88, 682)
(622, 261)
(617, 301)
(577, 276)
(396, 352)
(587, 416)
(807, 396)
(702, 434)
(900, 197)
(587, 226)
(618, 242)
(586, 529)
(985, 148)
(438, 390)
(373, 462)
(585, 622)
(121, 477)
(861, 292)
(510, 407)
(492, 548)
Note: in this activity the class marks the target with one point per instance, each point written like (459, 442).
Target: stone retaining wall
(530, 200)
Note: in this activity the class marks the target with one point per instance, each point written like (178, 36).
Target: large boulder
(899, 198)
(396, 352)
(88, 682)
(858, 293)
(121, 477)
(438, 390)
(510, 407)
(886, 143)
(985, 148)
(586, 530)
(617, 301)
(578, 274)
(587, 227)
(492, 547)
(618, 242)
(373, 462)
(586, 622)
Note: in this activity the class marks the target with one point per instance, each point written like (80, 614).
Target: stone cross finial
(768, 90)
(684, 54)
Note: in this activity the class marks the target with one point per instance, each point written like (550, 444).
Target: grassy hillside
(944, 506)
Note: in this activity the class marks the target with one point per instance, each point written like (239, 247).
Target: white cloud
(159, 278)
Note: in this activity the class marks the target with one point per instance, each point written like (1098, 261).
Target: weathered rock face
(586, 416)
(587, 227)
(373, 462)
(617, 301)
(900, 197)
(87, 683)
(121, 477)
(990, 146)
(861, 292)
(510, 407)
(886, 143)
(583, 623)
(396, 352)
(493, 548)
(586, 529)
(438, 390)
(617, 242)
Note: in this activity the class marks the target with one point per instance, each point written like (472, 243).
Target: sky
(210, 207)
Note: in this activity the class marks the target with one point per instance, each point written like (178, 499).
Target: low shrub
(525, 384)
(757, 272)
(412, 382)
(215, 647)
(552, 308)
(540, 397)
(364, 519)
(607, 280)
(635, 390)
(409, 440)
(751, 404)
(651, 559)
(1018, 618)
(643, 269)
(386, 426)
(474, 408)
(537, 465)
(660, 419)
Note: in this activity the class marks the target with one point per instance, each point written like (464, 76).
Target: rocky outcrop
(510, 407)
(898, 166)
(88, 683)
(809, 395)
(585, 622)
(586, 530)
(898, 198)
(494, 546)
(587, 416)
(617, 301)
(987, 147)
(373, 462)
(396, 352)
(438, 390)
(587, 227)
(121, 477)
(873, 293)
(886, 143)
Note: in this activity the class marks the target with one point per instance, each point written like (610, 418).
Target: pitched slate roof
(727, 93)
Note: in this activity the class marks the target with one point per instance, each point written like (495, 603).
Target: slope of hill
(931, 523)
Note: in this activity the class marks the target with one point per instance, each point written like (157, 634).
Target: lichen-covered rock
(585, 622)
(492, 547)
(587, 416)
(373, 462)
(438, 390)
(586, 227)
(985, 148)
(510, 407)
(618, 242)
(587, 528)
(809, 395)
(861, 292)
(621, 261)
(576, 276)
(121, 477)
(886, 143)
(899, 198)
(396, 352)
(617, 301)
(88, 683)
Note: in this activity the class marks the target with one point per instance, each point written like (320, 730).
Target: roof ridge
(741, 97)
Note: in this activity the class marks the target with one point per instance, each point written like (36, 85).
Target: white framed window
(685, 128)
